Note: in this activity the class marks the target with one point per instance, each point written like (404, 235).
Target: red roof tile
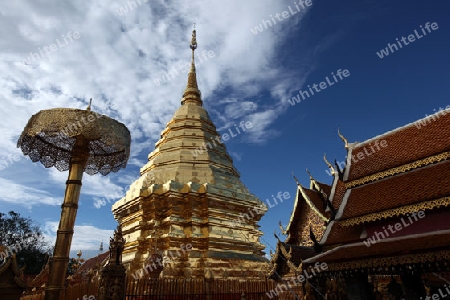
(340, 234)
(338, 194)
(326, 188)
(403, 189)
(316, 200)
(93, 262)
(404, 145)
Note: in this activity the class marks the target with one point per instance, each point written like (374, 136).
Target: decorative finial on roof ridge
(192, 93)
(295, 178)
(283, 231)
(329, 165)
(343, 139)
(276, 236)
(310, 176)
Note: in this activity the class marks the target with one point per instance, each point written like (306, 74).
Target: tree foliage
(23, 237)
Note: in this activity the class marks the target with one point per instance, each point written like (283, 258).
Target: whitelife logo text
(398, 226)
(319, 87)
(411, 38)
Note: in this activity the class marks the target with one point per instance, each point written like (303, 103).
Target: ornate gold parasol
(79, 141)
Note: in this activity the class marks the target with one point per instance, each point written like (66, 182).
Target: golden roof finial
(329, 165)
(343, 139)
(310, 176)
(193, 46)
(89, 106)
(295, 178)
(283, 231)
(192, 93)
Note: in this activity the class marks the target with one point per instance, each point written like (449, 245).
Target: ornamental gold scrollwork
(311, 205)
(391, 261)
(445, 201)
(397, 170)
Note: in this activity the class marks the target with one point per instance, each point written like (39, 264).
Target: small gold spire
(89, 106)
(283, 231)
(329, 165)
(310, 176)
(343, 139)
(192, 93)
(193, 46)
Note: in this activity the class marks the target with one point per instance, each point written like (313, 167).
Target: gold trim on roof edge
(313, 207)
(391, 261)
(397, 170)
(285, 253)
(444, 201)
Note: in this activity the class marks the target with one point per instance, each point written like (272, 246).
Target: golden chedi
(180, 218)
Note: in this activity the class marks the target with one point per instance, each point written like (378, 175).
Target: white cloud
(117, 58)
(100, 188)
(25, 195)
(95, 185)
(85, 237)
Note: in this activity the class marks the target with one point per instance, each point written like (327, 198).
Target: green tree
(24, 238)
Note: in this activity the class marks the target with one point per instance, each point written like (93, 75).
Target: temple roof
(306, 199)
(337, 192)
(408, 172)
(410, 244)
(402, 171)
(336, 233)
(325, 188)
(315, 201)
(416, 186)
(429, 140)
(94, 263)
(309, 210)
(284, 253)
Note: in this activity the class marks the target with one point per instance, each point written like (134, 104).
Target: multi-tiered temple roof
(400, 178)
(387, 180)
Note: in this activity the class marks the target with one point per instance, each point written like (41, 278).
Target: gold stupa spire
(192, 93)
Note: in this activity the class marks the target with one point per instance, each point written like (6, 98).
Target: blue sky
(118, 57)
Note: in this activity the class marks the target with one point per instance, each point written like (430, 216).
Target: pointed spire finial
(194, 40)
(310, 176)
(283, 231)
(192, 93)
(343, 139)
